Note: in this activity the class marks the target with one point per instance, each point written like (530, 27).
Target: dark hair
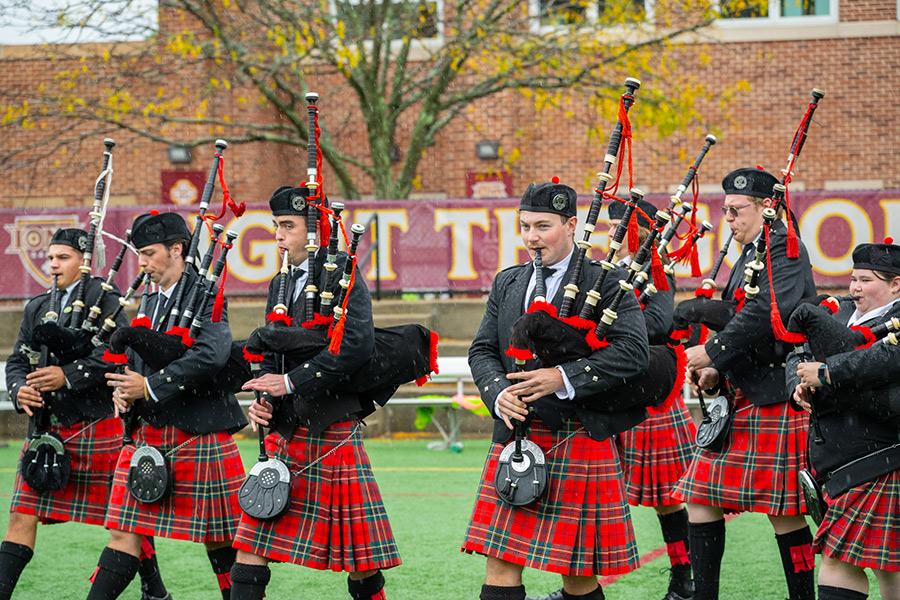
(183, 243)
(643, 232)
(885, 276)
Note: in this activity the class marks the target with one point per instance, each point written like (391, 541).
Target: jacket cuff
(580, 372)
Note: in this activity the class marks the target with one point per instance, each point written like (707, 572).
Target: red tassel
(633, 238)
(519, 353)
(793, 243)
(274, 317)
(142, 322)
(544, 306)
(656, 270)
(695, 261)
(704, 334)
(778, 329)
(115, 359)
(337, 336)
(219, 303)
(250, 357)
(705, 292)
(867, 335)
(680, 374)
(594, 342)
(579, 323)
(831, 303)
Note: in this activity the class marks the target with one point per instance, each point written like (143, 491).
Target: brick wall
(856, 135)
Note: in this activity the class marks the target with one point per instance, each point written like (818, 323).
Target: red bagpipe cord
(324, 225)
(228, 202)
(680, 375)
(687, 253)
(609, 193)
(337, 332)
(660, 281)
(219, 303)
(778, 328)
(434, 338)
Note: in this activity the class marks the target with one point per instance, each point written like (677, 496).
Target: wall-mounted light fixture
(487, 149)
(179, 155)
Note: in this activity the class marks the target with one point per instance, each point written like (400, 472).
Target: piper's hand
(46, 379)
(803, 397)
(511, 407)
(533, 385)
(697, 358)
(29, 398)
(808, 372)
(271, 384)
(260, 412)
(129, 385)
(705, 379)
(122, 405)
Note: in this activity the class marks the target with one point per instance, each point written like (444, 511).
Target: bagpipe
(68, 343)
(402, 353)
(45, 465)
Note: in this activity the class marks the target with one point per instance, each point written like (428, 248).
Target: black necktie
(737, 273)
(547, 273)
(161, 301)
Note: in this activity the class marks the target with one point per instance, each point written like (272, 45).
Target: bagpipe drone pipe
(402, 354)
(73, 341)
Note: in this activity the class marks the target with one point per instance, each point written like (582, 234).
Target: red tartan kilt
(336, 519)
(756, 471)
(580, 527)
(93, 452)
(655, 455)
(862, 526)
(202, 504)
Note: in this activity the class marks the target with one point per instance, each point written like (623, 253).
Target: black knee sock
(675, 534)
(707, 548)
(221, 560)
(595, 595)
(13, 558)
(248, 582)
(498, 592)
(151, 580)
(798, 562)
(370, 588)
(114, 572)
(826, 592)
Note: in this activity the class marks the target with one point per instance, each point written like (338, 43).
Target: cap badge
(740, 182)
(82, 242)
(559, 201)
(297, 203)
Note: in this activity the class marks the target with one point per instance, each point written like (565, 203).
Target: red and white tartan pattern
(580, 527)
(756, 471)
(655, 455)
(202, 505)
(862, 526)
(93, 453)
(336, 519)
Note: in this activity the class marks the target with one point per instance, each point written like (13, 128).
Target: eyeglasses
(733, 210)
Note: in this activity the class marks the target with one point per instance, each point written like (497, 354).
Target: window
(419, 19)
(789, 11)
(556, 13)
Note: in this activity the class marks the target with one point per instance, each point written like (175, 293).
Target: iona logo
(29, 237)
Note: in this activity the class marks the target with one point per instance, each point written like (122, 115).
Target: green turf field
(428, 497)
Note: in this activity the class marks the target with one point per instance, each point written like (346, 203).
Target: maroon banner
(182, 188)
(453, 245)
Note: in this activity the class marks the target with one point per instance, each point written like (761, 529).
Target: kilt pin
(202, 505)
(336, 519)
(756, 470)
(580, 527)
(94, 449)
(862, 526)
(656, 453)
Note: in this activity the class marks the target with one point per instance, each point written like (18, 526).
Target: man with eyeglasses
(756, 469)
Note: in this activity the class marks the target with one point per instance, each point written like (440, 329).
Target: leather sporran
(714, 429)
(46, 466)
(266, 493)
(521, 476)
(149, 478)
(812, 496)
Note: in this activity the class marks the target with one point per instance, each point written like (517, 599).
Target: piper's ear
(895, 286)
